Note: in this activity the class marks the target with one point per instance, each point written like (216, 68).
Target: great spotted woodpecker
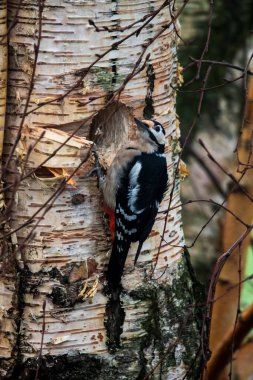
(134, 187)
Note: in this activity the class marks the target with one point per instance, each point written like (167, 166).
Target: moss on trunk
(172, 338)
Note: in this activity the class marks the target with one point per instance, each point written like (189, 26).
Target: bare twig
(221, 63)
(36, 54)
(178, 163)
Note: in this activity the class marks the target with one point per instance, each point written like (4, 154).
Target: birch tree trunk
(8, 274)
(59, 322)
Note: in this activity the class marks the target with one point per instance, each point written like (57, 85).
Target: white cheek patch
(159, 136)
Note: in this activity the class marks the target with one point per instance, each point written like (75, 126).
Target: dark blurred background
(225, 125)
(231, 40)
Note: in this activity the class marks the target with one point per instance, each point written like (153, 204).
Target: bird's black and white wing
(137, 201)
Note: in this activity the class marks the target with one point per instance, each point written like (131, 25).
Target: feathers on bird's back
(134, 187)
(149, 140)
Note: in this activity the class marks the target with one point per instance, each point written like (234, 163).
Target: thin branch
(201, 97)
(238, 311)
(221, 63)
(84, 72)
(236, 182)
(13, 22)
(31, 86)
(206, 169)
(148, 16)
(209, 29)
(48, 203)
(227, 82)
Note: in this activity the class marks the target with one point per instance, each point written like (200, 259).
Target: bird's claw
(98, 169)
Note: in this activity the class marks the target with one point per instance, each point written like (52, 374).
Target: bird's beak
(140, 124)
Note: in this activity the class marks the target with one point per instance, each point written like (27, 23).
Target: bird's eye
(157, 129)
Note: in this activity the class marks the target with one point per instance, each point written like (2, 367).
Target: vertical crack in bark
(149, 111)
(116, 24)
(115, 316)
(114, 72)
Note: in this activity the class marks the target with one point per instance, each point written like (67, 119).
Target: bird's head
(152, 131)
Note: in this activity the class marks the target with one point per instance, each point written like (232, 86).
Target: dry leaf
(183, 170)
(60, 172)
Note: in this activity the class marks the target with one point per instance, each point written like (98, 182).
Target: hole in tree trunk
(110, 127)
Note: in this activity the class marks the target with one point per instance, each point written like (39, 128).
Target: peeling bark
(63, 243)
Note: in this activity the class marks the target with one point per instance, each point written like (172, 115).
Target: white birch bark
(70, 246)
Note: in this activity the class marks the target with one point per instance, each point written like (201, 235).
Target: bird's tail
(138, 252)
(114, 310)
(116, 263)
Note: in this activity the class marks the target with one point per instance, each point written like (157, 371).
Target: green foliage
(247, 287)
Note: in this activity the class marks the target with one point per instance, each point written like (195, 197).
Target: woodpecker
(134, 188)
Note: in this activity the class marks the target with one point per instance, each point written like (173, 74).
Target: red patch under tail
(111, 215)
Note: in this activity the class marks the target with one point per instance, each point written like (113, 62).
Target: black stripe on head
(152, 137)
(160, 125)
(160, 146)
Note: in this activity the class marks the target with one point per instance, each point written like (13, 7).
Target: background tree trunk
(233, 271)
(63, 245)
